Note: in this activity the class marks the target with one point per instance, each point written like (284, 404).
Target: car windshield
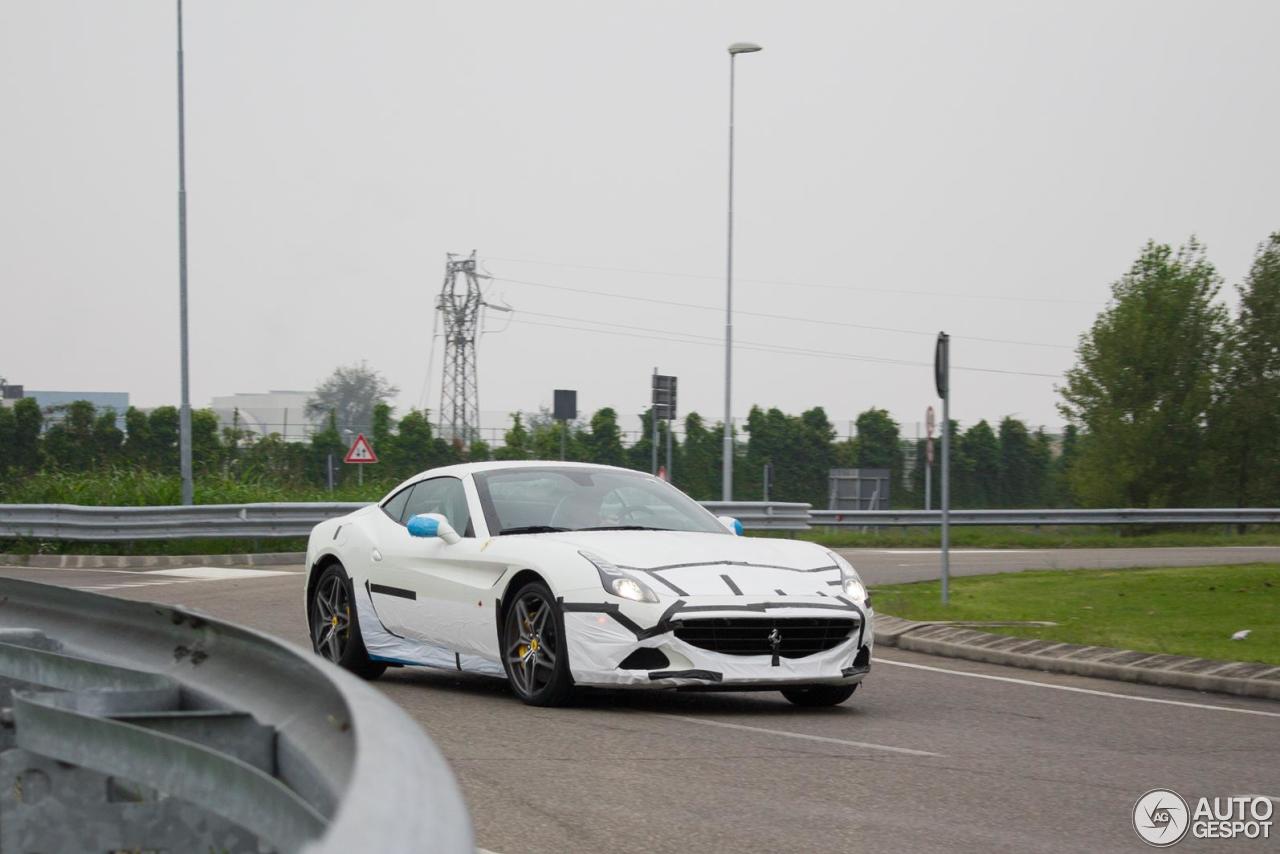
(539, 500)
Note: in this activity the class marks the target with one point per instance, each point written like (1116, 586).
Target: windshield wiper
(623, 528)
(532, 529)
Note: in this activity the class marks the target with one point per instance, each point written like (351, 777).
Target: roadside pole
(928, 458)
(670, 458)
(565, 409)
(653, 419)
(942, 378)
(184, 413)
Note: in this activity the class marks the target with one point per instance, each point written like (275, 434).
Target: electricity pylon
(460, 304)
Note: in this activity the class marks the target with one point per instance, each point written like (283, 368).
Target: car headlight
(850, 581)
(854, 589)
(619, 583)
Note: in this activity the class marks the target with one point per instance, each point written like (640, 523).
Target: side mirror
(734, 525)
(432, 525)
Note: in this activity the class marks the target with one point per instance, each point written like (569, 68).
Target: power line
(891, 291)
(772, 316)
(765, 348)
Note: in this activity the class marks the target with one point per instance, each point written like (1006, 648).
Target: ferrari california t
(553, 574)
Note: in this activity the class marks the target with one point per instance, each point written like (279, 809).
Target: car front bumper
(601, 637)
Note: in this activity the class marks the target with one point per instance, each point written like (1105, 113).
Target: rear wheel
(335, 628)
(534, 653)
(819, 695)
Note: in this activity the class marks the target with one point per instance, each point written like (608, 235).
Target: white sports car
(555, 574)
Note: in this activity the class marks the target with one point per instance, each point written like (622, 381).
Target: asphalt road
(891, 566)
(930, 755)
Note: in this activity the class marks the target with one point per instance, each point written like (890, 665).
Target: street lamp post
(184, 415)
(727, 490)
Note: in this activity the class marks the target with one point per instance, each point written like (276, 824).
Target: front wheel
(534, 651)
(820, 695)
(335, 627)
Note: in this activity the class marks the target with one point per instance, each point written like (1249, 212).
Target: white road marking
(216, 573)
(960, 552)
(826, 739)
(1076, 690)
(186, 575)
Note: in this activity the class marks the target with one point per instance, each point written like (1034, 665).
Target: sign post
(942, 379)
(566, 410)
(928, 458)
(361, 454)
(664, 408)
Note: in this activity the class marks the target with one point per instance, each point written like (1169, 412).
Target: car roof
(464, 469)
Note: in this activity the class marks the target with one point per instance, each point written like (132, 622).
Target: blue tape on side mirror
(424, 526)
(737, 527)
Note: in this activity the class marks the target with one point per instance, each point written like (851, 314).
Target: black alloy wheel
(335, 628)
(534, 653)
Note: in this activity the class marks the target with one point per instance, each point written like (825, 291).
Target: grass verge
(1044, 537)
(1178, 611)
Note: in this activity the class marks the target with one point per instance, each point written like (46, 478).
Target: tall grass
(121, 487)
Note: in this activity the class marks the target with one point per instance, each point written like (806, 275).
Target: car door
(430, 590)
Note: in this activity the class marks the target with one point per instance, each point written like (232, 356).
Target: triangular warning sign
(361, 451)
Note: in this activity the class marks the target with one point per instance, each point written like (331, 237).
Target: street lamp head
(743, 47)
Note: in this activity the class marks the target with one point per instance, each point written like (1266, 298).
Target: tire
(813, 696)
(533, 649)
(335, 627)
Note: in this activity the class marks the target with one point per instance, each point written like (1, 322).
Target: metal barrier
(123, 524)
(134, 726)
(764, 515)
(266, 521)
(1143, 516)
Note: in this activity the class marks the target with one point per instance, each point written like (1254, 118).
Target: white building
(264, 413)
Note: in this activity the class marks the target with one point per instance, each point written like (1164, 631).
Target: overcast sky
(984, 168)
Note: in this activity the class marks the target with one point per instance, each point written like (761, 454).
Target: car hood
(696, 564)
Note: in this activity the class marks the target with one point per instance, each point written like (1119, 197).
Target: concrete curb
(151, 561)
(1241, 678)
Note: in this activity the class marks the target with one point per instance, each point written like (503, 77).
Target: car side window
(443, 495)
(395, 505)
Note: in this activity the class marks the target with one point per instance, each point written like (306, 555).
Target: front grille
(800, 636)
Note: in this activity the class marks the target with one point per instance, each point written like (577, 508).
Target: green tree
(327, 449)
(800, 449)
(108, 438)
(162, 445)
(1059, 480)
(137, 442)
(28, 421)
(518, 445)
(699, 471)
(350, 393)
(1019, 473)
(1142, 384)
(69, 443)
(976, 467)
(604, 442)
(416, 447)
(8, 439)
(1245, 419)
(206, 450)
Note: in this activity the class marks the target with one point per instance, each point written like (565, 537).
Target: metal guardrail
(134, 726)
(764, 515)
(267, 521)
(1143, 516)
(123, 524)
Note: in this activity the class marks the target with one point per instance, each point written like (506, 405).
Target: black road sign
(664, 397)
(566, 404)
(942, 363)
